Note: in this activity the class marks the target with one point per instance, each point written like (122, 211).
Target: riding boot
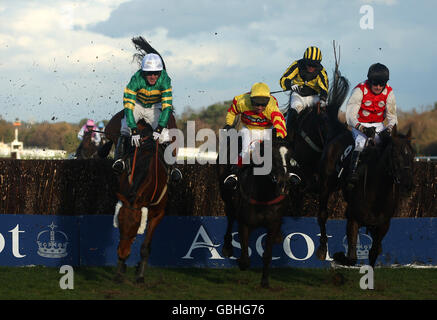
(353, 175)
(291, 119)
(118, 166)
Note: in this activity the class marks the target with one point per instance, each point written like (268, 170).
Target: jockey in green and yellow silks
(148, 96)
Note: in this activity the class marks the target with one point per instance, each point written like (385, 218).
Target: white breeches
(360, 138)
(299, 103)
(151, 116)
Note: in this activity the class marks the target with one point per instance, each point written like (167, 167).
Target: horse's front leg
(377, 235)
(121, 270)
(351, 232)
(268, 252)
(321, 219)
(147, 243)
(227, 245)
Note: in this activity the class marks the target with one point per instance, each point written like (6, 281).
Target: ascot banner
(92, 240)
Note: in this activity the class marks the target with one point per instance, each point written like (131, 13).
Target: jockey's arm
(80, 133)
(353, 106)
(129, 100)
(232, 113)
(286, 80)
(166, 104)
(390, 111)
(323, 84)
(276, 118)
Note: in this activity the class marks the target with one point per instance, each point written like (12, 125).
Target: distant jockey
(89, 126)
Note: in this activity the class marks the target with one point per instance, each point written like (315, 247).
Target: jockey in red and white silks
(366, 108)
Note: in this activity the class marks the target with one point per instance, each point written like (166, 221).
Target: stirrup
(176, 175)
(294, 178)
(118, 166)
(231, 181)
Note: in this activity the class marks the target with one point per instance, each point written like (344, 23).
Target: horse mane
(143, 48)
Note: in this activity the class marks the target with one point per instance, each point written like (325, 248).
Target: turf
(43, 283)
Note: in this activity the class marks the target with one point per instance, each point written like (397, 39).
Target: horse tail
(143, 48)
(104, 149)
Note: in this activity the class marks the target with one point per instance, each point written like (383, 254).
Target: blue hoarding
(197, 242)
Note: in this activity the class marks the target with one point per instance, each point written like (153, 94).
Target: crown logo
(364, 243)
(51, 243)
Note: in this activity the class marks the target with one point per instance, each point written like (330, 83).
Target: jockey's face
(152, 76)
(377, 88)
(258, 108)
(311, 69)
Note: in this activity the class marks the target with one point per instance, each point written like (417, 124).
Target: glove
(135, 138)
(323, 104)
(295, 88)
(369, 132)
(385, 134)
(157, 133)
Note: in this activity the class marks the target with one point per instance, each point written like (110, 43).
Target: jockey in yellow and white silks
(371, 103)
(259, 111)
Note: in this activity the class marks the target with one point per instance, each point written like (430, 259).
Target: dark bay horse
(385, 172)
(87, 148)
(259, 201)
(142, 199)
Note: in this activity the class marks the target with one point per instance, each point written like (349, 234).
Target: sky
(69, 60)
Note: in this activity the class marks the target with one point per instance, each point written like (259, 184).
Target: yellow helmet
(313, 54)
(260, 94)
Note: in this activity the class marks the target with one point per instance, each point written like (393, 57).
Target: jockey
(259, 111)
(308, 82)
(89, 126)
(370, 103)
(147, 96)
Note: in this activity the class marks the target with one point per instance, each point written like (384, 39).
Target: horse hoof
(321, 253)
(265, 284)
(118, 278)
(227, 252)
(244, 265)
(140, 280)
(340, 258)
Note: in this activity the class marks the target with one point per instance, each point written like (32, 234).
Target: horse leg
(268, 252)
(377, 235)
(321, 219)
(157, 214)
(123, 252)
(351, 232)
(244, 261)
(227, 245)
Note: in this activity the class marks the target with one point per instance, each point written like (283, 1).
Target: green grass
(31, 283)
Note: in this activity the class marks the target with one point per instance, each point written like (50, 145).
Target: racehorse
(385, 172)
(260, 201)
(87, 148)
(142, 201)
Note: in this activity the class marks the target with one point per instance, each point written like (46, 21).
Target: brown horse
(142, 199)
(87, 148)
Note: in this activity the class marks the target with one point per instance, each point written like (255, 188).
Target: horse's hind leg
(243, 261)
(321, 219)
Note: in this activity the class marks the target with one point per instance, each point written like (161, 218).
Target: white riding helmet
(151, 62)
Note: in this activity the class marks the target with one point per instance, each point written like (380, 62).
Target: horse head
(402, 159)
(128, 218)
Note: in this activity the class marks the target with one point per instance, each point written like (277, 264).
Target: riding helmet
(151, 62)
(312, 56)
(378, 73)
